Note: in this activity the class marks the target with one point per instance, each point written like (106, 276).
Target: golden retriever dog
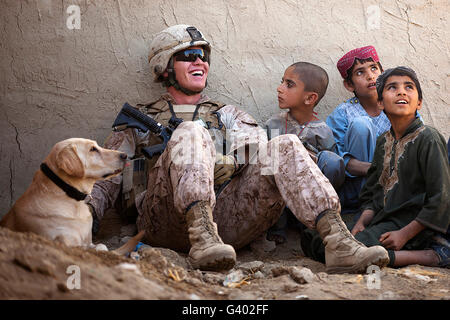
(55, 208)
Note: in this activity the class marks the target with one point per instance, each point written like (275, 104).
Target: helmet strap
(171, 81)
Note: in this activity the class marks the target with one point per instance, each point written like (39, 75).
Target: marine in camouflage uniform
(211, 201)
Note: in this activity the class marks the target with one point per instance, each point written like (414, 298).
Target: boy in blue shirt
(357, 122)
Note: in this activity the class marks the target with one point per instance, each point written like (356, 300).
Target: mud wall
(65, 77)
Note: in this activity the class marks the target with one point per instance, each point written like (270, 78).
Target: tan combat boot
(208, 252)
(343, 253)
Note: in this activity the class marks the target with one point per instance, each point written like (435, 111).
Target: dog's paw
(101, 247)
(98, 247)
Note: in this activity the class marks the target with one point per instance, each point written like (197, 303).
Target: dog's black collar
(68, 189)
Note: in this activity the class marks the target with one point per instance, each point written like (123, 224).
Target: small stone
(193, 281)
(134, 255)
(154, 257)
(279, 271)
(163, 257)
(193, 296)
(251, 267)
(413, 274)
(258, 275)
(289, 288)
(213, 278)
(302, 297)
(303, 275)
(101, 247)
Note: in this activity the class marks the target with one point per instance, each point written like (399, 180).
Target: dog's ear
(69, 161)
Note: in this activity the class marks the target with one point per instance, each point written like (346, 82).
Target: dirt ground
(32, 267)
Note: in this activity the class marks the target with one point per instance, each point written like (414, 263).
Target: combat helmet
(165, 44)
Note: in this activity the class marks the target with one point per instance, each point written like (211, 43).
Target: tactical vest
(135, 175)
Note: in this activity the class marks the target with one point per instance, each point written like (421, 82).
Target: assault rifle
(130, 117)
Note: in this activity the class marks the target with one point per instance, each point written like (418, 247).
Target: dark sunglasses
(191, 55)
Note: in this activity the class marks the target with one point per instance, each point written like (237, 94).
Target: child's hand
(312, 155)
(358, 228)
(363, 221)
(394, 240)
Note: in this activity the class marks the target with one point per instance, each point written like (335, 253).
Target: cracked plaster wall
(58, 83)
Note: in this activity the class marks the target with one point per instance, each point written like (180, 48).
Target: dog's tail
(130, 245)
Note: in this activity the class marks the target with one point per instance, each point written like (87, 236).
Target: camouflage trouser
(249, 204)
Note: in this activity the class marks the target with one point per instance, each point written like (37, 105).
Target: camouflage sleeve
(242, 129)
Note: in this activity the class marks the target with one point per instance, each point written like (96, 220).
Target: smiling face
(400, 98)
(191, 75)
(363, 78)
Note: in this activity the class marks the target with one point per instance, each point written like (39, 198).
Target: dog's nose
(123, 156)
